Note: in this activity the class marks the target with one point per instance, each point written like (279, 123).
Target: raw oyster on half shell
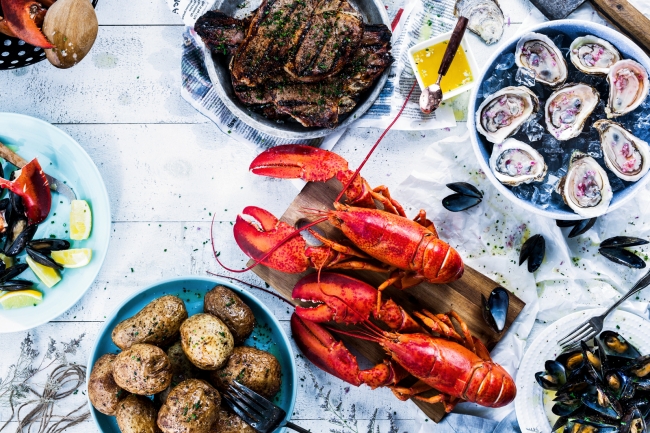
(485, 18)
(585, 188)
(537, 52)
(626, 156)
(628, 87)
(568, 108)
(593, 55)
(503, 112)
(514, 162)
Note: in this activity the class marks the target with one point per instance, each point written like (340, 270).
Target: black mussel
(623, 257)
(571, 360)
(613, 344)
(466, 189)
(17, 203)
(49, 244)
(566, 223)
(640, 367)
(581, 227)
(3, 265)
(603, 401)
(15, 285)
(564, 409)
(590, 426)
(20, 242)
(554, 376)
(533, 250)
(641, 383)
(620, 384)
(43, 259)
(495, 309)
(459, 202)
(593, 366)
(4, 203)
(622, 242)
(633, 421)
(560, 423)
(12, 272)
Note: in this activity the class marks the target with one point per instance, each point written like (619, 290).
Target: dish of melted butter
(428, 61)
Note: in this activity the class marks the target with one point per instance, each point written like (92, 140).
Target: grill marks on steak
(220, 32)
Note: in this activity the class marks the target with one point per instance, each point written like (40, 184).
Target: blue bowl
(483, 148)
(268, 334)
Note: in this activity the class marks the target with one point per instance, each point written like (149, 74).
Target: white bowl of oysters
(561, 119)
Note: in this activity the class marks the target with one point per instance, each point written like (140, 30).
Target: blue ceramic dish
(268, 334)
(571, 29)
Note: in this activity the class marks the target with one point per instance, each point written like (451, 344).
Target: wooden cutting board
(463, 296)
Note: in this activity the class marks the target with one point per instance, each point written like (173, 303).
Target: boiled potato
(103, 392)
(143, 369)
(254, 368)
(157, 323)
(206, 341)
(230, 423)
(137, 414)
(227, 306)
(191, 407)
(182, 369)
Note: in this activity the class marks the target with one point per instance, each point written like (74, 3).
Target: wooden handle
(11, 156)
(452, 46)
(629, 20)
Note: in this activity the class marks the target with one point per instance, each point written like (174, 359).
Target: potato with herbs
(230, 423)
(137, 414)
(103, 392)
(157, 323)
(182, 369)
(206, 341)
(143, 369)
(191, 407)
(227, 306)
(254, 368)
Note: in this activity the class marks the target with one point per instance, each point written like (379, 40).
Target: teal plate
(268, 334)
(62, 157)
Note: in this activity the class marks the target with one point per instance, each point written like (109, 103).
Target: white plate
(533, 404)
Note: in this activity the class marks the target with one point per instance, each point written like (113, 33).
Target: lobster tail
(490, 385)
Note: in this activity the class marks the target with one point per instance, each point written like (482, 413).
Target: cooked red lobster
(23, 19)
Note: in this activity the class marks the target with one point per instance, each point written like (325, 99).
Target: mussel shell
(12, 285)
(4, 203)
(603, 401)
(533, 250)
(566, 223)
(563, 409)
(613, 344)
(12, 272)
(459, 202)
(43, 259)
(633, 421)
(49, 244)
(581, 227)
(20, 242)
(640, 367)
(620, 384)
(586, 425)
(622, 257)
(465, 188)
(560, 423)
(17, 203)
(572, 361)
(622, 242)
(593, 366)
(495, 309)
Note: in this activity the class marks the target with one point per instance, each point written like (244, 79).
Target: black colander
(15, 53)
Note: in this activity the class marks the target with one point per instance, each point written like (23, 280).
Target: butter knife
(55, 184)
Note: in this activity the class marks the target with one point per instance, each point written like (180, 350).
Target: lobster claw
(24, 18)
(32, 186)
(330, 355)
(261, 231)
(298, 161)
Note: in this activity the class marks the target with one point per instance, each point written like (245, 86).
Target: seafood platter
(307, 88)
(561, 120)
(148, 347)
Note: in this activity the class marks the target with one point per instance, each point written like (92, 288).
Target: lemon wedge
(46, 274)
(21, 299)
(81, 220)
(9, 261)
(74, 258)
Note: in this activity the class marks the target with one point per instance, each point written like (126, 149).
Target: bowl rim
(272, 128)
(604, 32)
(240, 291)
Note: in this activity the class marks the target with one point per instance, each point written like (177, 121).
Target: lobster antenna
(268, 253)
(381, 137)
(356, 334)
(270, 292)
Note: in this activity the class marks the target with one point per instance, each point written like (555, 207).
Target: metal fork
(593, 326)
(255, 410)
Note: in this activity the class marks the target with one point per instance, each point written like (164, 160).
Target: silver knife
(55, 184)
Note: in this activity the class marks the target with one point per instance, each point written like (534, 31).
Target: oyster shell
(503, 112)
(537, 52)
(585, 188)
(626, 155)
(568, 108)
(514, 162)
(628, 87)
(593, 55)
(485, 18)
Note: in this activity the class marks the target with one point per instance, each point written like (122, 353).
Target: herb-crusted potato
(137, 414)
(182, 369)
(254, 368)
(206, 341)
(157, 323)
(103, 392)
(143, 369)
(231, 423)
(191, 407)
(227, 306)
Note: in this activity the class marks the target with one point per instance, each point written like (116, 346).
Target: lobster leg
(382, 195)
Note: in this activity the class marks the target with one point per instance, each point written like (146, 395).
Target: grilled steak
(220, 32)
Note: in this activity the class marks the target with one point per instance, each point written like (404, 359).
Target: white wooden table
(168, 169)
